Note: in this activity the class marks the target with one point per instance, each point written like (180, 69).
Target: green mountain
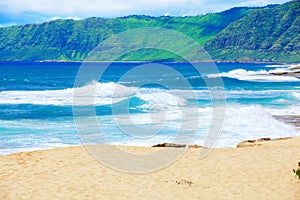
(269, 33)
(73, 40)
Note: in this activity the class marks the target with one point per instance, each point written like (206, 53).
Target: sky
(35, 11)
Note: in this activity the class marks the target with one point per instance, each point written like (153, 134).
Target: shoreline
(262, 171)
(133, 62)
(241, 144)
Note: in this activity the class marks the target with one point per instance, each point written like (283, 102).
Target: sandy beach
(259, 171)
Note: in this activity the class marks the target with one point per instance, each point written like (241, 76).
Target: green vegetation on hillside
(270, 33)
(73, 40)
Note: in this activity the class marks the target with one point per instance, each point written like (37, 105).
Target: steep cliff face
(272, 32)
(73, 40)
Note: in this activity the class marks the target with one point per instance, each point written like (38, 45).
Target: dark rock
(176, 145)
(170, 145)
(250, 143)
(263, 139)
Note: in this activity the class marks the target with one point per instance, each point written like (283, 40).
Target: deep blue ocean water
(36, 103)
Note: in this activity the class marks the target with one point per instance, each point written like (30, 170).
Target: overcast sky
(32, 11)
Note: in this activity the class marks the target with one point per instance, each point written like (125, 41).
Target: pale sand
(257, 172)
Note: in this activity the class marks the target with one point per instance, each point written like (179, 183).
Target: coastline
(90, 92)
(261, 171)
(258, 169)
(162, 61)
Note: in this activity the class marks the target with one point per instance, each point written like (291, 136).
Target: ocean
(37, 104)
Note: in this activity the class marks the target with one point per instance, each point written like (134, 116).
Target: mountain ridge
(72, 40)
(272, 33)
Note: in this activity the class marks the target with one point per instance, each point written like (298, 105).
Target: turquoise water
(36, 103)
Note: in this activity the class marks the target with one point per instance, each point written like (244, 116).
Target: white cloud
(113, 8)
(260, 2)
(9, 24)
(57, 17)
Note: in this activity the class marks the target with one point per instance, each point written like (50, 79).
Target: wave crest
(256, 76)
(102, 94)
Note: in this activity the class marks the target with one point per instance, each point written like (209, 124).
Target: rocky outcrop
(250, 143)
(293, 120)
(295, 67)
(295, 74)
(176, 145)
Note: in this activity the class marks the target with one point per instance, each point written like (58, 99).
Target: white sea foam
(94, 93)
(258, 122)
(281, 101)
(256, 76)
(279, 70)
(161, 97)
(297, 95)
(294, 67)
(276, 66)
(289, 110)
(237, 94)
(102, 95)
(109, 93)
(97, 93)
